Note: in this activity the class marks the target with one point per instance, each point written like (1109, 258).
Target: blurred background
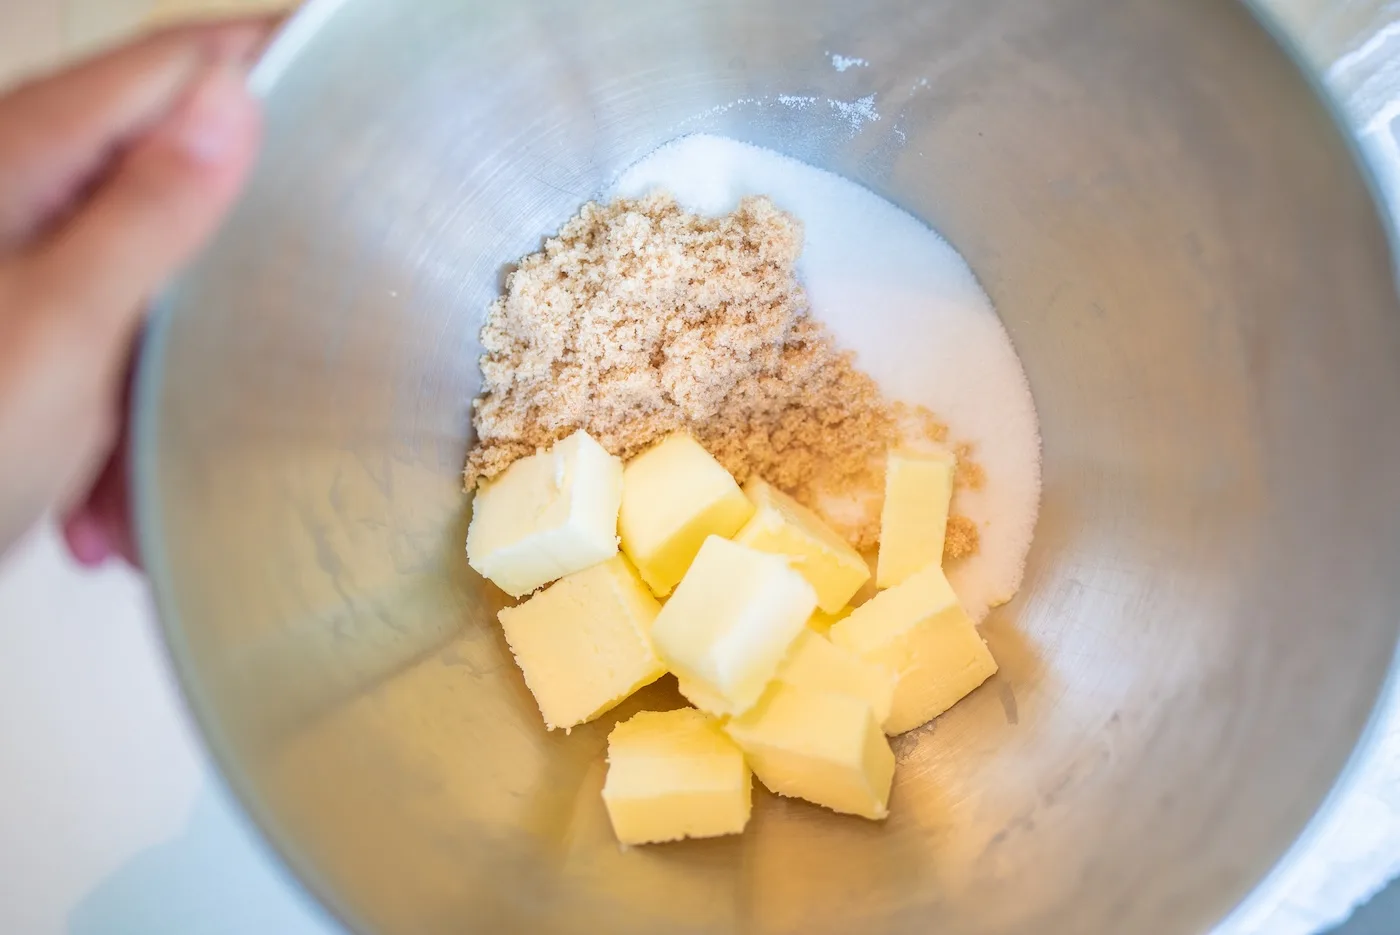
(111, 819)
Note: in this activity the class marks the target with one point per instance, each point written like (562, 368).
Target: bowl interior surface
(1188, 262)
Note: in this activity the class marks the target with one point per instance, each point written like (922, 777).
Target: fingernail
(87, 540)
(209, 122)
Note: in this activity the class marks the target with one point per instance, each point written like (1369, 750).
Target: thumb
(160, 204)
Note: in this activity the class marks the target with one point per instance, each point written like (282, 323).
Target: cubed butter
(919, 630)
(783, 526)
(674, 496)
(730, 623)
(822, 622)
(815, 662)
(824, 747)
(584, 642)
(546, 516)
(914, 518)
(673, 775)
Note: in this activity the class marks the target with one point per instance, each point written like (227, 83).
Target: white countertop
(111, 818)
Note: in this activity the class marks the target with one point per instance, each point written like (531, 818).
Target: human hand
(112, 174)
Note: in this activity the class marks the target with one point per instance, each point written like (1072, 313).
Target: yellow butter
(674, 496)
(822, 622)
(914, 518)
(584, 642)
(728, 626)
(782, 525)
(673, 775)
(824, 747)
(546, 516)
(815, 662)
(920, 631)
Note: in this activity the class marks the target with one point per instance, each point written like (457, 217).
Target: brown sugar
(962, 538)
(970, 474)
(919, 424)
(640, 319)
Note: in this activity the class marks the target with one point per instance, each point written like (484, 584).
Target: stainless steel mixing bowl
(1189, 262)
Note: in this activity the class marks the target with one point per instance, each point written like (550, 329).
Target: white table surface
(112, 821)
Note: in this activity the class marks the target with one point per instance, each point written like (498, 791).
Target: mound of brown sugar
(640, 319)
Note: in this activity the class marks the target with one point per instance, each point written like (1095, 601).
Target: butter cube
(820, 746)
(674, 496)
(584, 642)
(822, 622)
(728, 626)
(782, 525)
(920, 631)
(673, 775)
(546, 516)
(815, 662)
(914, 519)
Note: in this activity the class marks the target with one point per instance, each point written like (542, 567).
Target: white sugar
(854, 113)
(897, 294)
(843, 62)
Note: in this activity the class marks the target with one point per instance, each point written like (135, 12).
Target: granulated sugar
(897, 294)
(844, 62)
